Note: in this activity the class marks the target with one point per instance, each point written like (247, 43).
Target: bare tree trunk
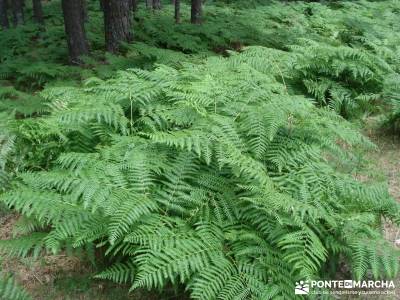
(196, 12)
(177, 11)
(18, 12)
(37, 11)
(156, 4)
(117, 23)
(4, 14)
(149, 4)
(75, 30)
(133, 5)
(85, 14)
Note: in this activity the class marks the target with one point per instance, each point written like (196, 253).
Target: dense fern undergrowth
(345, 54)
(216, 158)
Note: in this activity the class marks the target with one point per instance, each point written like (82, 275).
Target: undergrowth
(181, 173)
(219, 161)
(338, 54)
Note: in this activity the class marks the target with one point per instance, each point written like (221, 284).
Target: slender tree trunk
(133, 5)
(117, 23)
(177, 11)
(75, 30)
(37, 11)
(4, 14)
(85, 14)
(196, 12)
(149, 4)
(156, 4)
(18, 12)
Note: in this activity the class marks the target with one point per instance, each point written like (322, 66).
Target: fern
(224, 175)
(219, 183)
(11, 291)
(346, 79)
(119, 272)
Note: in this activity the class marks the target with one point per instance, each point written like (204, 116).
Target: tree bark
(18, 12)
(37, 11)
(177, 11)
(85, 14)
(4, 14)
(149, 4)
(117, 23)
(133, 5)
(75, 30)
(156, 4)
(196, 12)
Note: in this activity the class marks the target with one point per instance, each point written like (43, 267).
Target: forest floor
(61, 277)
(56, 277)
(384, 165)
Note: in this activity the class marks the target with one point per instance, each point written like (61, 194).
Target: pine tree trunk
(75, 30)
(196, 12)
(133, 5)
(117, 23)
(37, 11)
(18, 12)
(156, 4)
(177, 11)
(4, 14)
(85, 14)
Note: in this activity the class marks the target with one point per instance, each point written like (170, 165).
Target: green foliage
(208, 175)
(221, 175)
(344, 78)
(11, 291)
(392, 120)
(339, 54)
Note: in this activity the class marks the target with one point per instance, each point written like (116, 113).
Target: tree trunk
(75, 30)
(156, 4)
(85, 14)
(177, 11)
(4, 14)
(133, 5)
(18, 12)
(117, 23)
(149, 4)
(196, 12)
(37, 11)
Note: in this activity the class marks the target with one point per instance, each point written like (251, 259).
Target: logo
(345, 287)
(348, 284)
(302, 288)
